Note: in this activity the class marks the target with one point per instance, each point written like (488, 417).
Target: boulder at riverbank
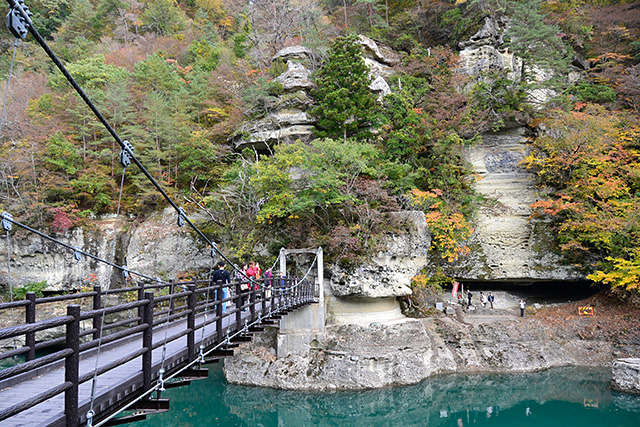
(626, 375)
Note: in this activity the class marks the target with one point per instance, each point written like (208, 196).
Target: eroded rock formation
(403, 352)
(155, 248)
(626, 375)
(507, 243)
(287, 118)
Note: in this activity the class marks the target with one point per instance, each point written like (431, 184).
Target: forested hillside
(178, 78)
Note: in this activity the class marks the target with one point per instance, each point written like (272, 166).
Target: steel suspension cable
(15, 345)
(309, 270)
(161, 372)
(176, 373)
(206, 310)
(7, 217)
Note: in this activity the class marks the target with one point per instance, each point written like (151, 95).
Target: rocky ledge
(406, 351)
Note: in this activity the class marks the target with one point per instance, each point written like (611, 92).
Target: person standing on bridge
(221, 277)
(268, 274)
(241, 276)
(252, 272)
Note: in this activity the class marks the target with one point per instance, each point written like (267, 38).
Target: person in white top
(522, 304)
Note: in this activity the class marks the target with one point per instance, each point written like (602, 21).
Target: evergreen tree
(345, 105)
(537, 43)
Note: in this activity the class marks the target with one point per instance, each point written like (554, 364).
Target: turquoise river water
(563, 397)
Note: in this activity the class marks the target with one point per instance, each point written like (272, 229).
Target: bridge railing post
(191, 322)
(141, 309)
(97, 305)
(30, 317)
(239, 300)
(263, 309)
(252, 300)
(172, 302)
(285, 292)
(147, 341)
(71, 366)
(218, 303)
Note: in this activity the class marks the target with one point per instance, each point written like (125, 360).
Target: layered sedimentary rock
(369, 292)
(484, 52)
(407, 351)
(286, 118)
(155, 247)
(507, 244)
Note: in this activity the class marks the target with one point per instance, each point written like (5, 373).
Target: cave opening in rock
(533, 292)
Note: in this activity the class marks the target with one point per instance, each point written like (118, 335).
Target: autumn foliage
(590, 157)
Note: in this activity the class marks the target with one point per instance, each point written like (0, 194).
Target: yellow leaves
(624, 273)
(448, 229)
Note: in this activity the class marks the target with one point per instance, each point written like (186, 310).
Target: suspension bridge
(110, 362)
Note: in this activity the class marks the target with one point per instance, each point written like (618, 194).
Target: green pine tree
(537, 43)
(345, 106)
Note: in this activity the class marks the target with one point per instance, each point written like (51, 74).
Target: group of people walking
(486, 299)
(248, 274)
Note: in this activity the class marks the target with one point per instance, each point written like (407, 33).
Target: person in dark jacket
(221, 275)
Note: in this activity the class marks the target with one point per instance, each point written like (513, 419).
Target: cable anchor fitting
(7, 219)
(90, 416)
(126, 154)
(161, 379)
(182, 216)
(125, 272)
(16, 22)
(77, 254)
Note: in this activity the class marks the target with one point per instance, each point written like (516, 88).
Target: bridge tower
(299, 328)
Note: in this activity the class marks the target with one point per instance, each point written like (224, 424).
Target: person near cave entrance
(522, 304)
(469, 295)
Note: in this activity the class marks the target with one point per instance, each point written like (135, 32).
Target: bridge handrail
(286, 293)
(14, 331)
(13, 304)
(34, 364)
(85, 315)
(26, 404)
(66, 297)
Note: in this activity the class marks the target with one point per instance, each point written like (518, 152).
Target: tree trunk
(386, 11)
(344, 3)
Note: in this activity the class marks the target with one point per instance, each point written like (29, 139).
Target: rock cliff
(507, 244)
(402, 352)
(287, 118)
(155, 247)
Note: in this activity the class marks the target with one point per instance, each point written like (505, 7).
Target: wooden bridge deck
(111, 387)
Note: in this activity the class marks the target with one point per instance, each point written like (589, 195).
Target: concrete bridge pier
(300, 328)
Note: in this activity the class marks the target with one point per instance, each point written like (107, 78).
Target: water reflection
(559, 397)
